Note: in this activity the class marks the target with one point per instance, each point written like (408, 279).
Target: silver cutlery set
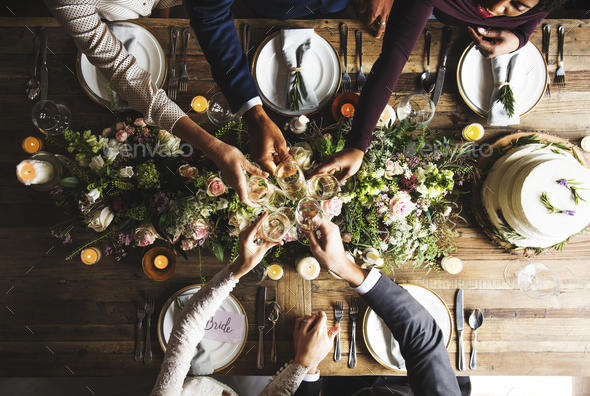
(475, 322)
(178, 84)
(353, 313)
(144, 309)
(272, 313)
(560, 72)
(346, 82)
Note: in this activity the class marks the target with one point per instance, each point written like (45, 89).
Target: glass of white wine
(323, 186)
(277, 225)
(264, 193)
(291, 179)
(309, 214)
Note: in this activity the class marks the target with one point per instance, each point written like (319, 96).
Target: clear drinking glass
(277, 225)
(219, 111)
(322, 187)
(535, 280)
(291, 179)
(52, 117)
(309, 214)
(264, 193)
(416, 108)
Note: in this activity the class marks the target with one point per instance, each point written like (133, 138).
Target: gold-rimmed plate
(378, 336)
(222, 353)
(475, 80)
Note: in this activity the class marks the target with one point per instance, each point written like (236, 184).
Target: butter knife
(546, 40)
(442, 69)
(44, 71)
(261, 317)
(459, 322)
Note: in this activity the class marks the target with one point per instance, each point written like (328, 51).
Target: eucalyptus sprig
(571, 184)
(295, 92)
(507, 98)
(552, 208)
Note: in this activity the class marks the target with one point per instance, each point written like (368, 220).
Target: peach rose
(347, 237)
(188, 244)
(215, 187)
(144, 236)
(188, 171)
(392, 169)
(401, 205)
(332, 207)
(200, 230)
(121, 135)
(139, 122)
(106, 132)
(120, 126)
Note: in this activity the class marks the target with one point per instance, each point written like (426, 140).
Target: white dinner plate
(475, 80)
(378, 336)
(322, 72)
(148, 54)
(222, 353)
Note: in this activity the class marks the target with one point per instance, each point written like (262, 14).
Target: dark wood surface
(61, 318)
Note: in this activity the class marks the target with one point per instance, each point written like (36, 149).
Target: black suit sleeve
(309, 388)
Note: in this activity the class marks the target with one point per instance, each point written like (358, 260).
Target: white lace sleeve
(188, 332)
(287, 382)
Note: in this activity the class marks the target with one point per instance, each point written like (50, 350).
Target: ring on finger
(382, 23)
(304, 321)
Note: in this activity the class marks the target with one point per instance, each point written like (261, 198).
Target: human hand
(313, 340)
(342, 164)
(377, 12)
(494, 42)
(266, 139)
(250, 253)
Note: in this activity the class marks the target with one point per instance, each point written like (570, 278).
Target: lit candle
(298, 125)
(473, 132)
(199, 104)
(161, 262)
(308, 268)
(34, 172)
(90, 256)
(586, 144)
(347, 109)
(452, 265)
(32, 144)
(387, 115)
(275, 271)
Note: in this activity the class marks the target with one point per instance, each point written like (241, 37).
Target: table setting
(399, 214)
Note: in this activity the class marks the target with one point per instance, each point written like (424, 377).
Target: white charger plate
(378, 336)
(148, 54)
(222, 353)
(475, 80)
(322, 72)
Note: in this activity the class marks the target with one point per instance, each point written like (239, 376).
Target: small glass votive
(200, 104)
(473, 132)
(275, 271)
(32, 144)
(159, 263)
(90, 256)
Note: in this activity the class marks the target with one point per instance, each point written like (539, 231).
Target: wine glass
(52, 117)
(309, 214)
(535, 280)
(219, 111)
(277, 225)
(323, 186)
(416, 108)
(264, 193)
(291, 179)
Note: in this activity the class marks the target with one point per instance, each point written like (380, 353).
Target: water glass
(416, 108)
(322, 187)
(291, 179)
(535, 280)
(219, 111)
(52, 117)
(309, 214)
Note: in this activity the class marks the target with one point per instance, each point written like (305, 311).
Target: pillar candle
(452, 265)
(34, 172)
(308, 268)
(90, 256)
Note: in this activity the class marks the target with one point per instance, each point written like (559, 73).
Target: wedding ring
(275, 154)
(304, 321)
(382, 23)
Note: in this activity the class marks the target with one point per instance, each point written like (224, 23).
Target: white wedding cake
(512, 196)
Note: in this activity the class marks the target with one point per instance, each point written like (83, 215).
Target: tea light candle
(452, 265)
(199, 104)
(275, 271)
(308, 268)
(473, 132)
(34, 172)
(298, 125)
(347, 109)
(90, 256)
(586, 144)
(32, 145)
(161, 262)
(387, 115)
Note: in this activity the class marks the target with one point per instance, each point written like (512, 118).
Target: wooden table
(62, 318)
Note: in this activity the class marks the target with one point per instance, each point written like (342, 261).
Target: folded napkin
(296, 46)
(396, 355)
(201, 362)
(126, 35)
(503, 66)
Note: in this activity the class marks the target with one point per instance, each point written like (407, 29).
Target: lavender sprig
(570, 185)
(552, 208)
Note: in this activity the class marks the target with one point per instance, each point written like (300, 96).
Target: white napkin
(296, 45)
(396, 355)
(201, 362)
(498, 116)
(126, 35)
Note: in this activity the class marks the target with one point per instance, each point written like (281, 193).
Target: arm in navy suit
(421, 340)
(309, 388)
(214, 27)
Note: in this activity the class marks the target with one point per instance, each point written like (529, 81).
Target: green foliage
(147, 175)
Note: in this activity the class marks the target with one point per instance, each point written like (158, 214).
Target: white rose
(447, 211)
(111, 150)
(97, 162)
(240, 220)
(93, 195)
(422, 189)
(420, 174)
(99, 220)
(126, 171)
(222, 203)
(429, 168)
(302, 153)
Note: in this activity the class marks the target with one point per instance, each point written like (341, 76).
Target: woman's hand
(313, 340)
(342, 164)
(494, 42)
(250, 253)
(377, 12)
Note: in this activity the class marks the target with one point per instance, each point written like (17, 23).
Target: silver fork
(338, 313)
(173, 81)
(354, 313)
(184, 75)
(140, 316)
(560, 72)
(345, 87)
(149, 310)
(360, 78)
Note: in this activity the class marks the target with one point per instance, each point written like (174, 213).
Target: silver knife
(44, 71)
(442, 69)
(546, 40)
(246, 37)
(261, 309)
(459, 321)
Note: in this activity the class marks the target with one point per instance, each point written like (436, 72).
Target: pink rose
(188, 244)
(401, 205)
(200, 230)
(347, 237)
(188, 171)
(215, 187)
(121, 135)
(139, 122)
(120, 125)
(392, 169)
(144, 236)
(332, 207)
(129, 130)
(106, 132)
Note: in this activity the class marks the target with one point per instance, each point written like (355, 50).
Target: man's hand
(342, 164)
(313, 340)
(494, 42)
(266, 139)
(377, 12)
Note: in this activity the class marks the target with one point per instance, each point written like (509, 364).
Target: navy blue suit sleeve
(309, 388)
(420, 338)
(214, 27)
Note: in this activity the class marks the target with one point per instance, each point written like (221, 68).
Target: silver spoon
(475, 321)
(427, 80)
(33, 85)
(273, 311)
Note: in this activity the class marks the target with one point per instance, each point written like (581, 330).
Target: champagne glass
(309, 214)
(323, 186)
(277, 225)
(535, 280)
(264, 193)
(52, 117)
(218, 111)
(416, 108)
(291, 179)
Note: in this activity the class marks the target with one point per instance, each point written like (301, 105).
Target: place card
(225, 327)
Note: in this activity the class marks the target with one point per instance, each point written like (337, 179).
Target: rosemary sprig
(295, 93)
(507, 99)
(552, 208)
(571, 184)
